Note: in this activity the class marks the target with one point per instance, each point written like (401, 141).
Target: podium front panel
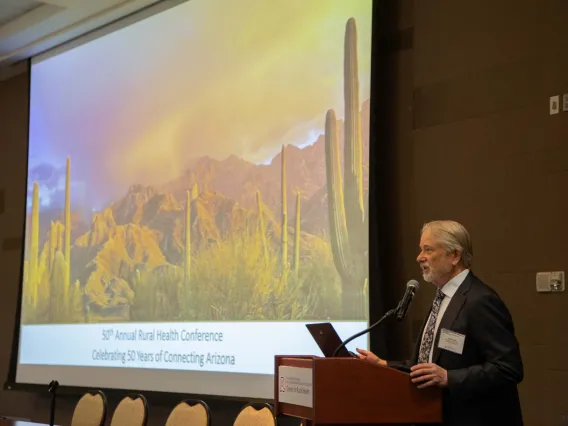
(352, 391)
(348, 391)
(294, 386)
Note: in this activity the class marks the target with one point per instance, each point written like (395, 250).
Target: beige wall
(13, 149)
(475, 143)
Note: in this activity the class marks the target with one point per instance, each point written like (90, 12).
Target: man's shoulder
(478, 289)
(481, 292)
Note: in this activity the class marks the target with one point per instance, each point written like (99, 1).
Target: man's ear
(456, 257)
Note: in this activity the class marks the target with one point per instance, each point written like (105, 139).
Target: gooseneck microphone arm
(52, 389)
(384, 317)
(400, 311)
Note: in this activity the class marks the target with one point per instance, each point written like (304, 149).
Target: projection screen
(197, 193)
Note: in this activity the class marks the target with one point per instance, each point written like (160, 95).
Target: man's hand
(429, 375)
(370, 357)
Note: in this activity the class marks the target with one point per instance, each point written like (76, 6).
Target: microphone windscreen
(413, 283)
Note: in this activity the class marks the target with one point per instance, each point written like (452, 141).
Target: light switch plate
(554, 104)
(550, 282)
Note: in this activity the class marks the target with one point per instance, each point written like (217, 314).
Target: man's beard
(432, 274)
(428, 276)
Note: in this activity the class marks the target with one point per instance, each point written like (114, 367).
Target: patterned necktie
(426, 346)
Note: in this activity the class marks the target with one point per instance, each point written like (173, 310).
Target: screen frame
(377, 340)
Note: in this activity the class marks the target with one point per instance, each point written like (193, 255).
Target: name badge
(451, 341)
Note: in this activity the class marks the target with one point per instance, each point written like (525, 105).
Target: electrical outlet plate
(550, 282)
(565, 102)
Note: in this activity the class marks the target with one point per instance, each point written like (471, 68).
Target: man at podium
(467, 345)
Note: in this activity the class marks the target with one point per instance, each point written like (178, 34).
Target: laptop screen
(327, 339)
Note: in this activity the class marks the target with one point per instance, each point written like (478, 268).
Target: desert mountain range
(143, 232)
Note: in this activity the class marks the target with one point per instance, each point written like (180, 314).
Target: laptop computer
(328, 340)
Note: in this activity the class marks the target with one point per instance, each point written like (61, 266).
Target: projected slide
(198, 188)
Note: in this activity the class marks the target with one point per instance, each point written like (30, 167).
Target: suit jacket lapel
(452, 312)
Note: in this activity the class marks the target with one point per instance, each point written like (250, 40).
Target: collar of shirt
(450, 288)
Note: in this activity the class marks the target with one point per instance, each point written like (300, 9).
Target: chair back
(90, 410)
(254, 414)
(132, 410)
(190, 413)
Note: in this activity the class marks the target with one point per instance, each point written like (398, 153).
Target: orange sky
(208, 77)
(266, 76)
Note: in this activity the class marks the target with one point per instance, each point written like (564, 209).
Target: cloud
(47, 175)
(51, 187)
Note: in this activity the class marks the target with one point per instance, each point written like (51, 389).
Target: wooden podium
(349, 391)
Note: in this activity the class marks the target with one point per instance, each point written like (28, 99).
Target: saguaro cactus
(60, 231)
(68, 226)
(75, 305)
(59, 300)
(284, 239)
(33, 252)
(353, 144)
(194, 191)
(297, 237)
(52, 244)
(137, 280)
(345, 195)
(187, 251)
(262, 226)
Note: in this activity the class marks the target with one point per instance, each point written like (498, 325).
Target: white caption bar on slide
(237, 347)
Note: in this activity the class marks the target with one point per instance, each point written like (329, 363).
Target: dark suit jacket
(482, 381)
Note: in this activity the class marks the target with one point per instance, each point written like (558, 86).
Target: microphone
(412, 287)
(402, 307)
(52, 390)
(53, 386)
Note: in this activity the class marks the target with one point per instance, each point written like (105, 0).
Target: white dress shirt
(449, 289)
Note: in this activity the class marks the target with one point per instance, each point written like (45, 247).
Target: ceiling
(29, 27)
